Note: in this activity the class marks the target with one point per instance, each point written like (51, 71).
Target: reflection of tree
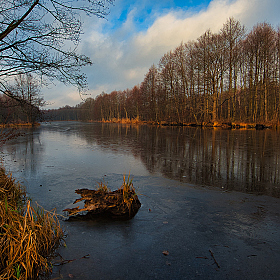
(238, 160)
(27, 154)
(246, 161)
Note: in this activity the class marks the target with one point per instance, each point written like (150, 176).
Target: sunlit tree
(232, 33)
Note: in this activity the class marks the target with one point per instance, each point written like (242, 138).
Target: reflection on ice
(242, 160)
(194, 224)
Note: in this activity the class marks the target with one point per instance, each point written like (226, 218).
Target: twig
(212, 254)
(62, 262)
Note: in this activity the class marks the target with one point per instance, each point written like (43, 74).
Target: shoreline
(15, 125)
(210, 124)
(222, 125)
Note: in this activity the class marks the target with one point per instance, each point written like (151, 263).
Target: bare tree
(260, 48)
(149, 88)
(27, 92)
(277, 73)
(233, 34)
(209, 52)
(42, 36)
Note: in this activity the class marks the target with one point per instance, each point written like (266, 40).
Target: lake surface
(204, 193)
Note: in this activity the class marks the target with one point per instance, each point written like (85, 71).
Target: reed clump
(29, 236)
(128, 193)
(124, 120)
(19, 124)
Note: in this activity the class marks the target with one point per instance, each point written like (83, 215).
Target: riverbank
(216, 124)
(29, 235)
(16, 125)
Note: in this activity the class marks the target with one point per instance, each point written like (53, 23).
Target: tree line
(232, 75)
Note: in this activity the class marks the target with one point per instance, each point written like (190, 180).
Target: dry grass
(128, 191)
(102, 187)
(11, 192)
(28, 236)
(20, 124)
(124, 121)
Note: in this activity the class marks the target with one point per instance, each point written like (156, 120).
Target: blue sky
(147, 11)
(136, 34)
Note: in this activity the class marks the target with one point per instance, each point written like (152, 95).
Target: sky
(137, 33)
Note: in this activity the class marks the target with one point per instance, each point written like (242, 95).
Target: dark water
(242, 160)
(200, 189)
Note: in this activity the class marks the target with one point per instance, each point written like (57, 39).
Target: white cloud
(122, 57)
(60, 95)
(98, 90)
(170, 30)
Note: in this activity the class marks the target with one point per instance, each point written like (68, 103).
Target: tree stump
(122, 203)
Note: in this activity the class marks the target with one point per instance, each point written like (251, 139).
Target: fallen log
(122, 203)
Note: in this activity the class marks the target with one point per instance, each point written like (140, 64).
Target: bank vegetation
(29, 235)
(227, 77)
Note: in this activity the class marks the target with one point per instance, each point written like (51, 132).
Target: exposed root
(122, 203)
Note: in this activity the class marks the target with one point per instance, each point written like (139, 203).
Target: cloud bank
(123, 55)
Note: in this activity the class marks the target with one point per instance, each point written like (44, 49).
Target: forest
(229, 76)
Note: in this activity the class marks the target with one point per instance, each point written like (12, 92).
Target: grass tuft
(29, 235)
(128, 191)
(102, 187)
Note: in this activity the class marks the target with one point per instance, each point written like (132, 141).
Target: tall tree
(260, 47)
(277, 73)
(149, 89)
(202, 58)
(233, 34)
(210, 49)
(169, 69)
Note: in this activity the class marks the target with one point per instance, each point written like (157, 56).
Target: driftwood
(116, 204)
